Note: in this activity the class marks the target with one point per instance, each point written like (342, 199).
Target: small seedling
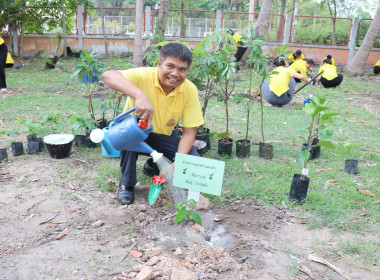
(183, 212)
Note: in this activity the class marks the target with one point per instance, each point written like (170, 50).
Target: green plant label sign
(199, 174)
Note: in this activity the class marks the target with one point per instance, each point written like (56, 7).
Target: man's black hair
(279, 61)
(310, 61)
(298, 53)
(329, 56)
(176, 50)
(231, 31)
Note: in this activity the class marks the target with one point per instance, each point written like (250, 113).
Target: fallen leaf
(365, 124)
(246, 168)
(377, 202)
(59, 92)
(359, 200)
(371, 164)
(71, 186)
(324, 169)
(363, 212)
(218, 218)
(366, 192)
(62, 234)
(332, 243)
(261, 177)
(303, 222)
(68, 211)
(293, 220)
(332, 182)
(1, 122)
(29, 217)
(136, 254)
(111, 182)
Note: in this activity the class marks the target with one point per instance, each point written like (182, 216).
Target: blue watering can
(125, 135)
(107, 149)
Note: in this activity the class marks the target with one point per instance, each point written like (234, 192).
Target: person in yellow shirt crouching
(162, 96)
(330, 77)
(297, 55)
(280, 88)
(376, 68)
(301, 66)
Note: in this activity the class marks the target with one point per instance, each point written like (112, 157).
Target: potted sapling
(89, 71)
(318, 112)
(16, 146)
(81, 128)
(32, 127)
(202, 74)
(225, 66)
(351, 163)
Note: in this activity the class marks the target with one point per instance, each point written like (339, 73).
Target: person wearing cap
(162, 96)
(280, 88)
(330, 77)
(301, 66)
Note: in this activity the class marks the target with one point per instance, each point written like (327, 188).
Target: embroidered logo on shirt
(171, 122)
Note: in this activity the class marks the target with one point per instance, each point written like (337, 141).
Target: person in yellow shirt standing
(301, 66)
(376, 68)
(280, 88)
(3, 59)
(161, 95)
(330, 77)
(297, 55)
(240, 48)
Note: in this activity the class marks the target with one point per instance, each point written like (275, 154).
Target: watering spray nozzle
(156, 156)
(97, 135)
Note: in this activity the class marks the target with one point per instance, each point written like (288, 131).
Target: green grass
(338, 206)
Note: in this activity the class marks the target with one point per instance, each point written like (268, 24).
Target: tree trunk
(64, 29)
(295, 13)
(262, 23)
(21, 44)
(281, 26)
(162, 18)
(252, 6)
(357, 64)
(103, 28)
(137, 51)
(182, 19)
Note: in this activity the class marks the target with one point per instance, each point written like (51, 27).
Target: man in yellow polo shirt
(162, 96)
(297, 55)
(3, 59)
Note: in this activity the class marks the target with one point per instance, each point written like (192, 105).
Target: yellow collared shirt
(301, 57)
(1, 41)
(330, 71)
(299, 66)
(182, 102)
(332, 60)
(279, 83)
(378, 63)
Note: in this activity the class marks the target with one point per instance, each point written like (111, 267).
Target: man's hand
(144, 109)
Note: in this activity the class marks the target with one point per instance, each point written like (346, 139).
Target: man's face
(172, 72)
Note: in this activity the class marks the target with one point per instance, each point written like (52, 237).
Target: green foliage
(12, 132)
(183, 214)
(82, 123)
(152, 56)
(91, 69)
(319, 127)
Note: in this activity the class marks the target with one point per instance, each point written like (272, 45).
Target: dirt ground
(56, 227)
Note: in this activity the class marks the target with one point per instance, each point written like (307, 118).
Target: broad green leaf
(180, 215)
(195, 216)
(327, 144)
(304, 157)
(325, 134)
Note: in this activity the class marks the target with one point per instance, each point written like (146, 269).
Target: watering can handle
(121, 116)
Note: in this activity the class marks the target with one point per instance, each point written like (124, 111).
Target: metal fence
(117, 21)
(187, 23)
(319, 30)
(241, 22)
(364, 24)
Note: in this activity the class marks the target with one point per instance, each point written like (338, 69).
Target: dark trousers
(3, 58)
(239, 54)
(332, 83)
(376, 70)
(165, 144)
